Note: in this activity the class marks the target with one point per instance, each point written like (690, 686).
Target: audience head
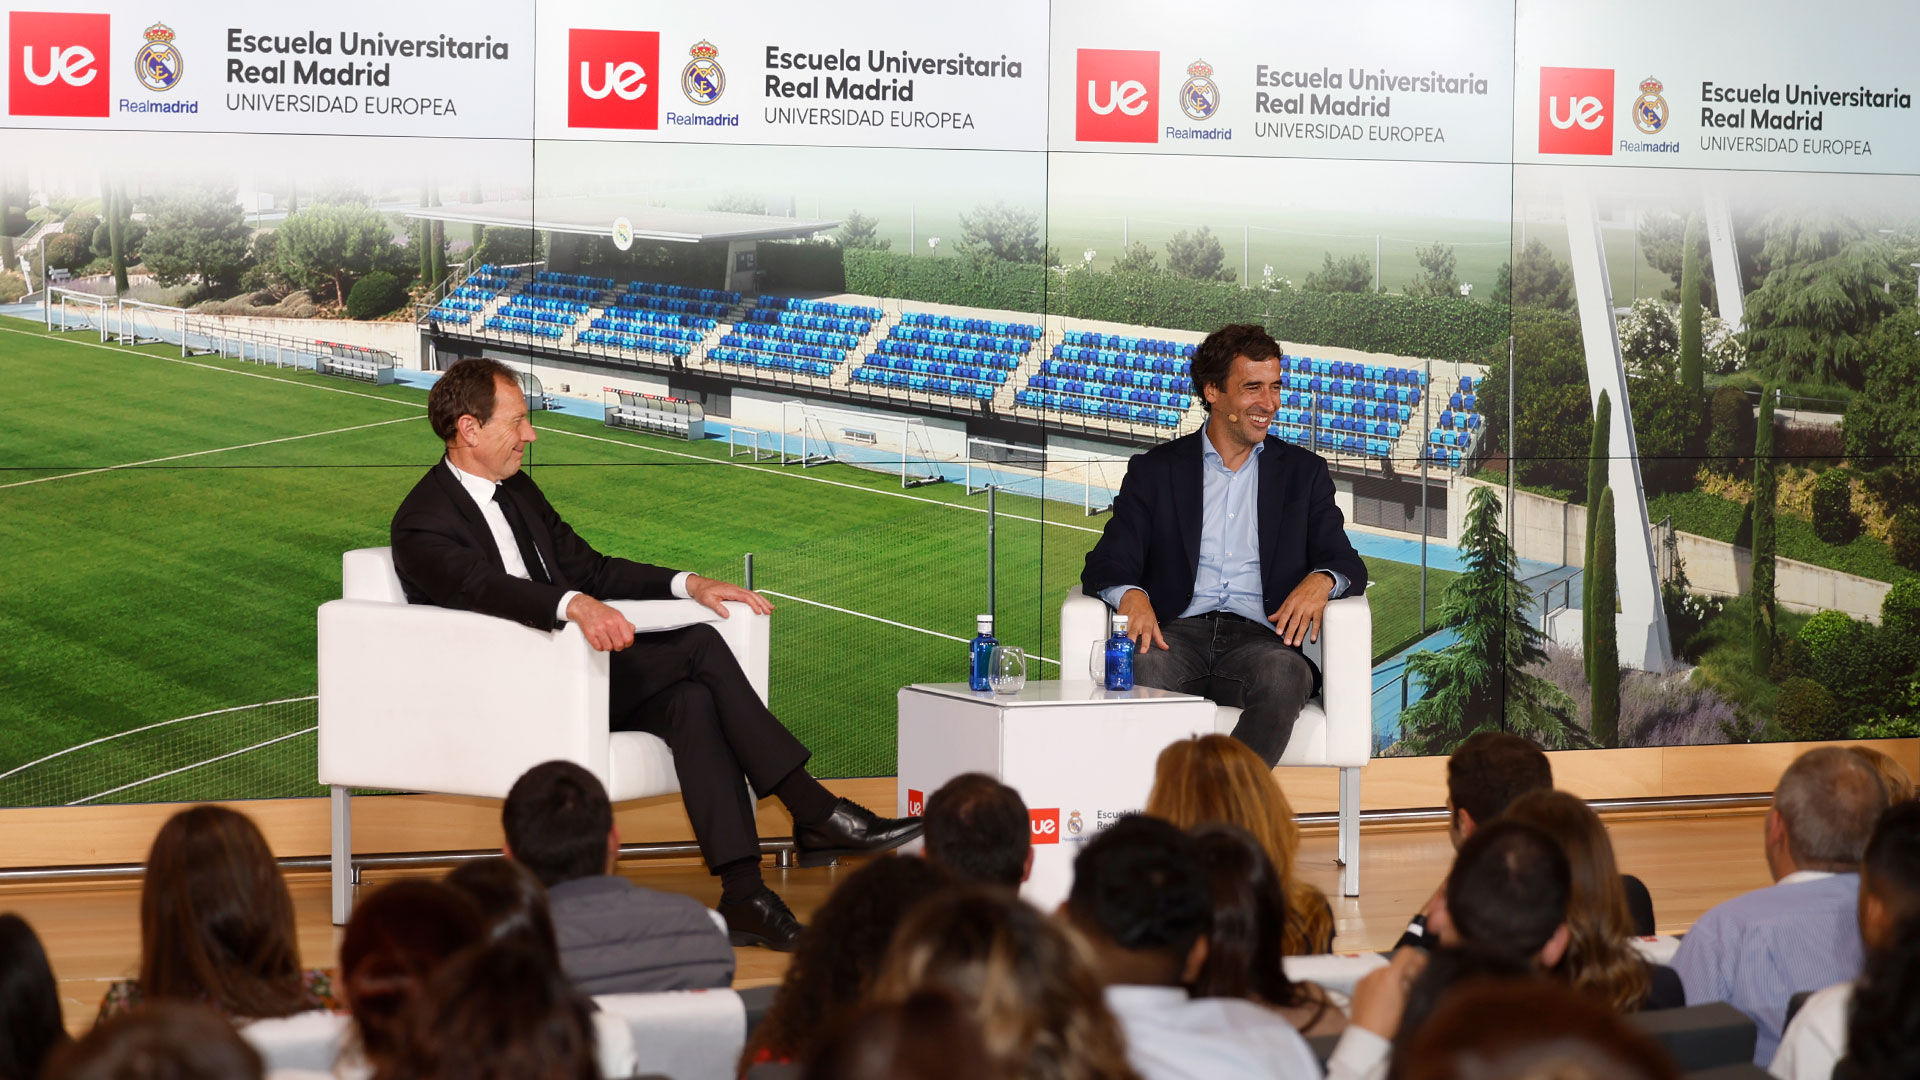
(929, 1036)
(1486, 773)
(30, 1022)
(1217, 778)
(1507, 893)
(842, 949)
(466, 389)
(1026, 980)
(1249, 917)
(1899, 783)
(1446, 972)
(977, 827)
(1140, 896)
(1883, 1026)
(1599, 962)
(1213, 359)
(163, 1040)
(558, 823)
(500, 1012)
(216, 921)
(1823, 811)
(396, 939)
(1473, 1036)
(1890, 875)
(512, 902)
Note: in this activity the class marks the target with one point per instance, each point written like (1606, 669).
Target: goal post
(813, 434)
(1029, 470)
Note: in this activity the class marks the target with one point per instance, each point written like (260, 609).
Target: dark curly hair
(840, 954)
(1214, 358)
(1883, 1027)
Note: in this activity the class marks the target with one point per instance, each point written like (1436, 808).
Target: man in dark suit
(1225, 546)
(476, 533)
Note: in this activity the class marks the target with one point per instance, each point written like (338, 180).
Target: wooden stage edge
(121, 834)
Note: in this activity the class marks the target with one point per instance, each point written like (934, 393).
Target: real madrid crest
(1200, 97)
(702, 81)
(1650, 111)
(158, 62)
(1074, 823)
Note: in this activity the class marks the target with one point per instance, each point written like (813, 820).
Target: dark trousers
(1235, 662)
(686, 687)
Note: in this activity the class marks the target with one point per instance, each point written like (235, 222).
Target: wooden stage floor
(1689, 861)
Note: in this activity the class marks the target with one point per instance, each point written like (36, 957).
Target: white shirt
(1173, 1037)
(481, 491)
(1816, 1040)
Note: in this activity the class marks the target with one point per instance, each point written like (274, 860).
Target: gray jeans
(1232, 661)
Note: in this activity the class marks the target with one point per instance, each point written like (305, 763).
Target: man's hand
(712, 593)
(607, 630)
(1143, 626)
(1298, 620)
(1380, 997)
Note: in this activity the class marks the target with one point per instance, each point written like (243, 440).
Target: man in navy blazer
(1225, 546)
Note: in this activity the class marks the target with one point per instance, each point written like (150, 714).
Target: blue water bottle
(1119, 656)
(981, 652)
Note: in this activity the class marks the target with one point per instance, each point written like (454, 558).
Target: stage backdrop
(1604, 316)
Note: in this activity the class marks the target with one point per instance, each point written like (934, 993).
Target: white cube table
(1080, 756)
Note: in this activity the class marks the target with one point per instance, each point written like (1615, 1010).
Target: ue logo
(1575, 116)
(613, 79)
(916, 802)
(1044, 825)
(1118, 89)
(62, 63)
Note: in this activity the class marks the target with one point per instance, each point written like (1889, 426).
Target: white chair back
(304, 1042)
(368, 574)
(683, 1034)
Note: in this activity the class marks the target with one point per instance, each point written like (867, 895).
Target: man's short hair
(1491, 769)
(978, 828)
(1891, 868)
(465, 389)
(1140, 883)
(1829, 799)
(1508, 889)
(557, 820)
(1214, 358)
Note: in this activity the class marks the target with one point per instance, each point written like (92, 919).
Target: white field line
(197, 764)
(203, 453)
(889, 622)
(150, 727)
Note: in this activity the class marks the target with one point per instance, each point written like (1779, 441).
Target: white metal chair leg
(341, 807)
(1350, 831)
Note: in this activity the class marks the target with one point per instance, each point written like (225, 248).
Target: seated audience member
(499, 1012)
(1756, 951)
(1140, 898)
(1216, 778)
(216, 924)
(30, 1022)
(1250, 917)
(1601, 961)
(929, 1036)
(614, 936)
(164, 1040)
(977, 827)
(1025, 980)
(839, 955)
(1898, 781)
(1885, 1016)
(396, 939)
(1566, 1036)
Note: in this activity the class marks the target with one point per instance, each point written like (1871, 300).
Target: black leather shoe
(851, 829)
(762, 919)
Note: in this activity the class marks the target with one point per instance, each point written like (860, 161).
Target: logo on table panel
(1115, 103)
(1574, 110)
(916, 802)
(158, 65)
(1650, 109)
(702, 80)
(1044, 825)
(613, 79)
(59, 64)
(1200, 95)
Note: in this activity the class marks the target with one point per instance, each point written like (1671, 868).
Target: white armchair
(421, 698)
(1335, 729)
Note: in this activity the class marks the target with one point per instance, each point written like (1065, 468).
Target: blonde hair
(1028, 981)
(1212, 778)
(1600, 961)
(1892, 774)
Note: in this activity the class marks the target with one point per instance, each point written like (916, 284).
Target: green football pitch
(170, 526)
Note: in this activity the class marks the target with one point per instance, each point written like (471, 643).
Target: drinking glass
(1097, 662)
(1007, 669)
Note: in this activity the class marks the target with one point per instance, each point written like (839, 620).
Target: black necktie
(522, 536)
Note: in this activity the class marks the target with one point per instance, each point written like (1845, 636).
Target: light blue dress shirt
(1229, 575)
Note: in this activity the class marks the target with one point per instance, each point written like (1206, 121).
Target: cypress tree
(426, 238)
(1763, 536)
(1690, 373)
(1597, 463)
(1604, 646)
(116, 215)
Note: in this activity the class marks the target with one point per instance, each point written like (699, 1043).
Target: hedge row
(1008, 286)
